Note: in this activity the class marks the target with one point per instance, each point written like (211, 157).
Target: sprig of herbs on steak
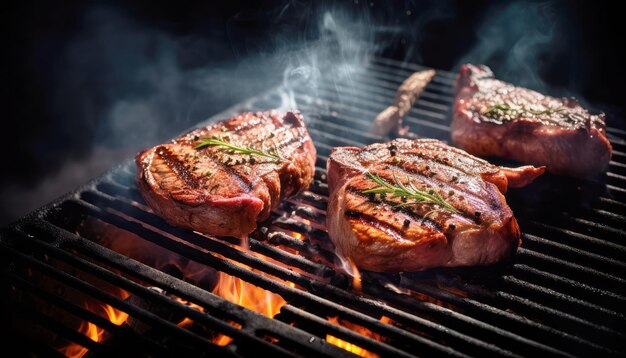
(407, 192)
(234, 148)
(498, 110)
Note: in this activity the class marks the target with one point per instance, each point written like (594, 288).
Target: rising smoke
(122, 84)
(514, 41)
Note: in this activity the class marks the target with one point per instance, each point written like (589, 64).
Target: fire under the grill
(97, 273)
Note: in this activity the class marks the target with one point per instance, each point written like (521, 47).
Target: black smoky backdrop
(88, 84)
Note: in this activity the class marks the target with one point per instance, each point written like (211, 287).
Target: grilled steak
(384, 229)
(221, 191)
(494, 118)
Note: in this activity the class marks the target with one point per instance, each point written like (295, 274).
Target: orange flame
(116, 317)
(349, 267)
(358, 329)
(228, 287)
(75, 350)
(247, 295)
(188, 321)
(95, 333)
(356, 276)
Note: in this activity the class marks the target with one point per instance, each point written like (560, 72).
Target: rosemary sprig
(204, 142)
(408, 191)
(499, 109)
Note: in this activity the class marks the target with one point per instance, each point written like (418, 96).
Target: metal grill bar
(139, 343)
(216, 305)
(110, 299)
(275, 270)
(563, 294)
(290, 313)
(55, 326)
(513, 323)
(144, 219)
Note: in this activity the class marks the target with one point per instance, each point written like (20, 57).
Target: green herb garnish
(499, 109)
(409, 191)
(204, 142)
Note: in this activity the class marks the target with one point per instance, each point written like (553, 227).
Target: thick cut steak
(220, 191)
(495, 118)
(391, 233)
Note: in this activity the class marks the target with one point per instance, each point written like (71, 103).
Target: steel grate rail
(562, 294)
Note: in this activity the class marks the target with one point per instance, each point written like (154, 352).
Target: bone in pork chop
(224, 178)
(494, 118)
(410, 205)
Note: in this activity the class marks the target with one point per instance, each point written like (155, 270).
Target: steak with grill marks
(388, 233)
(494, 118)
(218, 191)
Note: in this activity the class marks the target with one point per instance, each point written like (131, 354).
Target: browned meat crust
(494, 118)
(391, 234)
(219, 192)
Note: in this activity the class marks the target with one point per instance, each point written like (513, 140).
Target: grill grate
(563, 293)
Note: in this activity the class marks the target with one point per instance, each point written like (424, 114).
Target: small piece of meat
(388, 233)
(390, 119)
(218, 191)
(494, 118)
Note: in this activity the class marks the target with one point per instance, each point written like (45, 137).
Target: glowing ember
(247, 295)
(92, 331)
(222, 340)
(358, 329)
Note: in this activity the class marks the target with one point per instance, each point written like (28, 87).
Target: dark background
(88, 84)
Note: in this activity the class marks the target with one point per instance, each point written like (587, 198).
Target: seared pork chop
(410, 205)
(494, 118)
(222, 179)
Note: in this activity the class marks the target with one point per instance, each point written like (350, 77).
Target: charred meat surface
(410, 205)
(495, 118)
(222, 179)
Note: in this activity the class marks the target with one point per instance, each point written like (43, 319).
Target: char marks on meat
(390, 233)
(495, 118)
(219, 191)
